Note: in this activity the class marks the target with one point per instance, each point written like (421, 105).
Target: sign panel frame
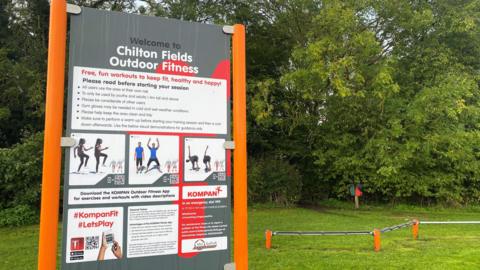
(47, 251)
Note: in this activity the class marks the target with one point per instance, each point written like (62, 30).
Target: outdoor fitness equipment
(376, 233)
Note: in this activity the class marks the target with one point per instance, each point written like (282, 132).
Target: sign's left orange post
(47, 248)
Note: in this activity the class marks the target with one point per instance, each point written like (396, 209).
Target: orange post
(240, 232)
(47, 250)
(268, 239)
(415, 229)
(376, 240)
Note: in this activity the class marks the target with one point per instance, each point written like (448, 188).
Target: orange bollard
(268, 239)
(415, 229)
(376, 240)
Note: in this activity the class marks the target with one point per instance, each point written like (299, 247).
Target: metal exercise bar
(449, 222)
(323, 233)
(375, 233)
(396, 227)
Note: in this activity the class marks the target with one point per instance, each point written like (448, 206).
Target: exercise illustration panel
(205, 159)
(96, 157)
(153, 159)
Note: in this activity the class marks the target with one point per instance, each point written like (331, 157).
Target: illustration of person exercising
(80, 150)
(174, 166)
(98, 153)
(139, 156)
(153, 155)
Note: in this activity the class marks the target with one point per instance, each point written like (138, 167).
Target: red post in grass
(268, 239)
(357, 202)
(415, 229)
(376, 240)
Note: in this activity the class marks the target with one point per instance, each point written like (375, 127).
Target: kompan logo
(201, 245)
(206, 193)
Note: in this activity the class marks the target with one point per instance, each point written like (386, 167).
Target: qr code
(119, 180)
(174, 179)
(221, 176)
(116, 180)
(91, 242)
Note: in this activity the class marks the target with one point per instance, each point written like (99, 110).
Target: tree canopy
(379, 92)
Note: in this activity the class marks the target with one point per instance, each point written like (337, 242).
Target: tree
(381, 94)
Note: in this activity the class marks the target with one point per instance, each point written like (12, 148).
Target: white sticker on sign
(152, 230)
(108, 99)
(122, 195)
(204, 244)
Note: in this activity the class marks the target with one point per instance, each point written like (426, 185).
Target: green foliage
(384, 93)
(274, 181)
(23, 53)
(380, 92)
(116, 5)
(18, 216)
(20, 174)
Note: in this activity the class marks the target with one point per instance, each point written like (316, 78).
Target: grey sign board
(147, 184)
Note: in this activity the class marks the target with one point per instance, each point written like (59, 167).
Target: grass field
(439, 246)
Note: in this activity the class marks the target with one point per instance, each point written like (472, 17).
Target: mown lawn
(439, 246)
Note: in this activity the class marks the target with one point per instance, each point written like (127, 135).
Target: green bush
(20, 180)
(18, 215)
(273, 180)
